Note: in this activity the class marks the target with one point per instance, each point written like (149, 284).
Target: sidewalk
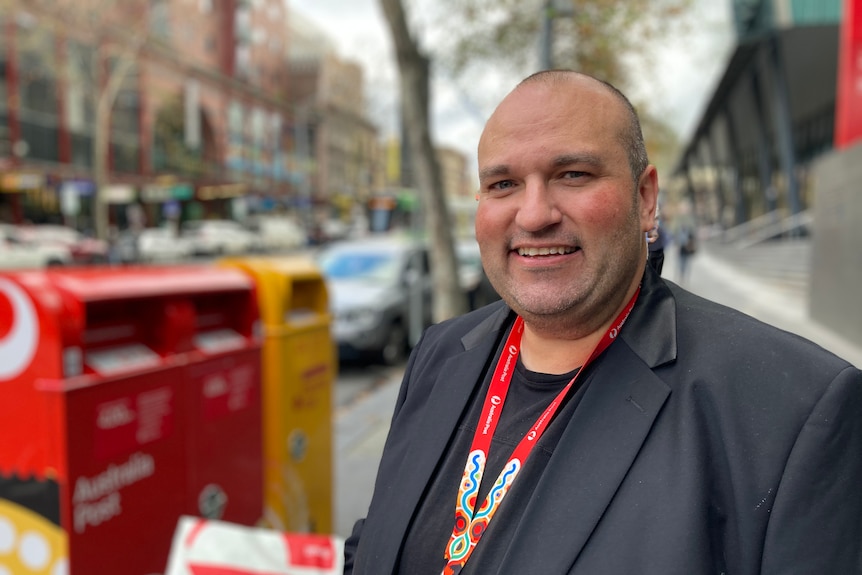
(715, 279)
(361, 430)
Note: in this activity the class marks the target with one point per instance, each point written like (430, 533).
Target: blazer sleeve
(351, 544)
(815, 524)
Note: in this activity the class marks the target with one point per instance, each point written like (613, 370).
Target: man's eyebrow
(584, 158)
(580, 158)
(494, 171)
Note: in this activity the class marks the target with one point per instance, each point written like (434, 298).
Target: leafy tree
(610, 39)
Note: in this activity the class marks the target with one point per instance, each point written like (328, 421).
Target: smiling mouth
(551, 251)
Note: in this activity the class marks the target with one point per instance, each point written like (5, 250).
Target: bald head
(630, 133)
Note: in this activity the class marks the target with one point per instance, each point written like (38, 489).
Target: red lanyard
(471, 523)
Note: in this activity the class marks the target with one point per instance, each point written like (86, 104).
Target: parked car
(16, 253)
(84, 249)
(472, 276)
(279, 233)
(380, 296)
(162, 244)
(219, 237)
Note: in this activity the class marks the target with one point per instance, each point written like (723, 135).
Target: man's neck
(554, 355)
(558, 351)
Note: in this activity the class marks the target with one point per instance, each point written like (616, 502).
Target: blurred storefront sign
(157, 193)
(21, 181)
(71, 191)
(70, 201)
(221, 191)
(119, 194)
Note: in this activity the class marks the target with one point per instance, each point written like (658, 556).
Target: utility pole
(305, 158)
(551, 9)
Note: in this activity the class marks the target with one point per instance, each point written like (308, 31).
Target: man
(598, 420)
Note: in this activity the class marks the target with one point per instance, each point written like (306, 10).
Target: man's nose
(538, 208)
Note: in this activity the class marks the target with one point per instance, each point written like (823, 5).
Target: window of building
(160, 19)
(126, 123)
(4, 88)
(37, 94)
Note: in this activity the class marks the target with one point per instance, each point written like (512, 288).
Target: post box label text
(99, 499)
(229, 391)
(126, 423)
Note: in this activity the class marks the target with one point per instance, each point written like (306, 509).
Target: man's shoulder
(464, 330)
(490, 316)
(724, 333)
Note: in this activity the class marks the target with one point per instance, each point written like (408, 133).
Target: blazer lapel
(605, 434)
(457, 379)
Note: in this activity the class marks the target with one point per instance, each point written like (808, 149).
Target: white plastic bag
(208, 547)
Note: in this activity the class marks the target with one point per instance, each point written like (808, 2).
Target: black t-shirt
(529, 395)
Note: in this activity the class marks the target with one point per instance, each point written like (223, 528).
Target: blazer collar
(621, 402)
(650, 330)
(460, 376)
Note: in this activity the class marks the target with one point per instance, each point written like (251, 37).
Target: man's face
(560, 221)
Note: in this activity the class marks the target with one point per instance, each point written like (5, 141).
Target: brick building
(198, 122)
(337, 150)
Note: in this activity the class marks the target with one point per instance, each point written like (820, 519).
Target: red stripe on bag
(310, 550)
(217, 570)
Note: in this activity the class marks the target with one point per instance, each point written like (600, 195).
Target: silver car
(380, 295)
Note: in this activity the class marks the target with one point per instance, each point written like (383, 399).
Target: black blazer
(707, 442)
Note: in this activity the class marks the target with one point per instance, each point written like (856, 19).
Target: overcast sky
(686, 71)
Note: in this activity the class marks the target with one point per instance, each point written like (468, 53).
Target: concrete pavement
(361, 429)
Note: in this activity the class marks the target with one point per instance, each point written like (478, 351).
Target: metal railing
(766, 227)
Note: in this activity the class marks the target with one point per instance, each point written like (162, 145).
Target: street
(364, 397)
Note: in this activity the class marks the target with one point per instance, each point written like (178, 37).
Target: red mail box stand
(131, 397)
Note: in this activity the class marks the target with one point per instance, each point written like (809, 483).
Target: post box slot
(135, 333)
(223, 322)
(306, 303)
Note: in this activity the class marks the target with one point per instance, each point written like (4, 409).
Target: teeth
(544, 251)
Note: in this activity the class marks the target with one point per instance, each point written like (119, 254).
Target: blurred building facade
(460, 189)
(398, 203)
(194, 93)
(771, 114)
(337, 154)
(777, 153)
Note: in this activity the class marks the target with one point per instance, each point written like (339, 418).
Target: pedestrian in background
(598, 420)
(687, 242)
(656, 239)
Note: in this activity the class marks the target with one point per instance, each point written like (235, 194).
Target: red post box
(131, 396)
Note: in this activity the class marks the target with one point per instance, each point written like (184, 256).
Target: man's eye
(574, 174)
(502, 185)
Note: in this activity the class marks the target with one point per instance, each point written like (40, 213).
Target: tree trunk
(414, 73)
(106, 97)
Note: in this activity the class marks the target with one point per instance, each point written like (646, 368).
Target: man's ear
(648, 197)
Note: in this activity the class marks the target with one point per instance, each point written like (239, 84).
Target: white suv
(18, 254)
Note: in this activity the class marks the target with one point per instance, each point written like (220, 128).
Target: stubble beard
(577, 307)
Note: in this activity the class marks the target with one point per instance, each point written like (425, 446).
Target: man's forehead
(572, 89)
(566, 104)
(568, 129)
